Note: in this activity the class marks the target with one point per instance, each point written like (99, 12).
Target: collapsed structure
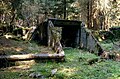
(68, 33)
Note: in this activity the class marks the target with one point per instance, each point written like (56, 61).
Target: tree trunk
(88, 15)
(32, 56)
(64, 9)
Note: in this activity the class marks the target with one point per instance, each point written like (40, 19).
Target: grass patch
(109, 46)
(72, 68)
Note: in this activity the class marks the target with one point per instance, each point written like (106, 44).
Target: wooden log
(32, 56)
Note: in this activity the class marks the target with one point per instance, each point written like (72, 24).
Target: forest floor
(76, 66)
(12, 47)
(110, 46)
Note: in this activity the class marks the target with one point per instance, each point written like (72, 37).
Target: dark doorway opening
(70, 36)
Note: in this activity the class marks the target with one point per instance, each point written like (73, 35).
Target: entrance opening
(69, 36)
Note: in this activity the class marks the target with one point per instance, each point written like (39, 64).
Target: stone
(35, 75)
(53, 72)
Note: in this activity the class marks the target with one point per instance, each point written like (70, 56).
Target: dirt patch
(5, 42)
(8, 47)
(13, 47)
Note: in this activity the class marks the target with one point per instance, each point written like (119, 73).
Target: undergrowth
(72, 68)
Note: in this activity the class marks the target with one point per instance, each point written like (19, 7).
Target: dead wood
(95, 60)
(32, 56)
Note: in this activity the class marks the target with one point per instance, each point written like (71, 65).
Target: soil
(13, 47)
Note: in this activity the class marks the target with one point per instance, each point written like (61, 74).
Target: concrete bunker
(74, 34)
(70, 36)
